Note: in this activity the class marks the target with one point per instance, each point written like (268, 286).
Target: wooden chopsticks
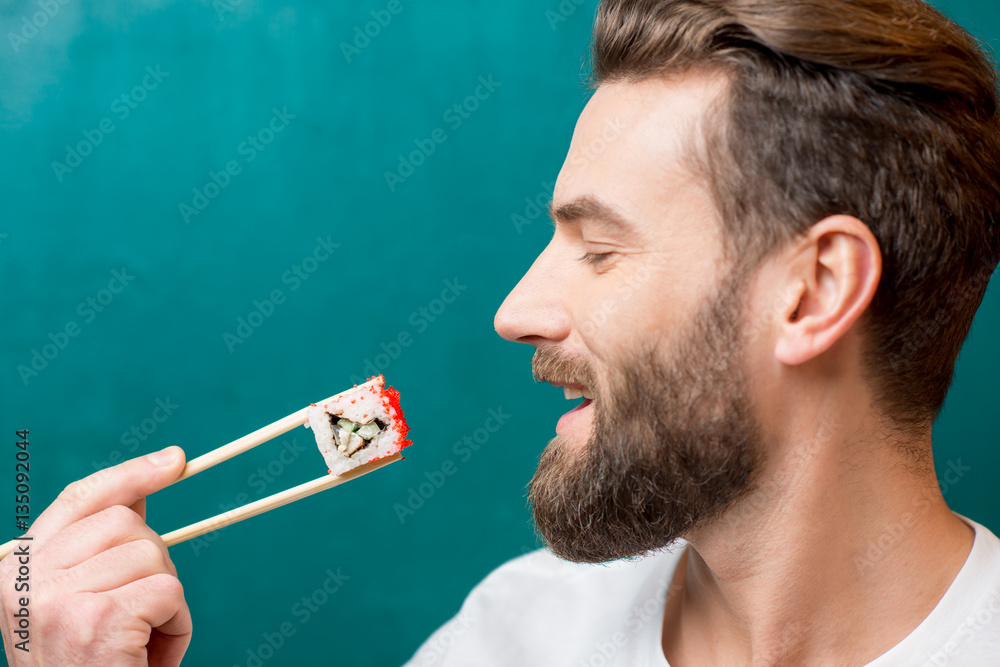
(239, 446)
(272, 501)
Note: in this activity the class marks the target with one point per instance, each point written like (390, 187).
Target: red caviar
(392, 405)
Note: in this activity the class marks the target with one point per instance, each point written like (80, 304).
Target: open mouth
(583, 405)
(574, 392)
(579, 418)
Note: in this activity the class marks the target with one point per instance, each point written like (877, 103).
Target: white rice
(362, 405)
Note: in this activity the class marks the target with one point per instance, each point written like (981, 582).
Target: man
(760, 285)
(759, 281)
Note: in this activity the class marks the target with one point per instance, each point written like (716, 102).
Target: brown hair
(881, 109)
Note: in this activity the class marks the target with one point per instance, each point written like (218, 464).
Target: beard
(675, 441)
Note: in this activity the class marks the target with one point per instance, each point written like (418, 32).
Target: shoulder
(976, 639)
(964, 629)
(537, 603)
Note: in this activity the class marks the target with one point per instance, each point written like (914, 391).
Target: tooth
(572, 392)
(587, 394)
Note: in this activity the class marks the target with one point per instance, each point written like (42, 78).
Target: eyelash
(595, 258)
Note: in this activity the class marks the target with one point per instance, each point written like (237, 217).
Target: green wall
(222, 69)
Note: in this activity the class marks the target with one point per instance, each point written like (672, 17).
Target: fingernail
(164, 457)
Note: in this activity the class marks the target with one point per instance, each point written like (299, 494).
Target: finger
(121, 485)
(165, 650)
(158, 601)
(139, 507)
(117, 567)
(93, 534)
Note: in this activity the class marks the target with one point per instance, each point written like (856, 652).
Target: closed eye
(594, 258)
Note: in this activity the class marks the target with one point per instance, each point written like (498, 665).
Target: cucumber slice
(347, 425)
(368, 431)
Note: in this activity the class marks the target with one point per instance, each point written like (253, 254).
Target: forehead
(631, 145)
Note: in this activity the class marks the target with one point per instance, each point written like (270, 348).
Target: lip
(571, 385)
(571, 421)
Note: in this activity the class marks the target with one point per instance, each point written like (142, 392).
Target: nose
(535, 311)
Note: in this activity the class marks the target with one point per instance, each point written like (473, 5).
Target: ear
(837, 267)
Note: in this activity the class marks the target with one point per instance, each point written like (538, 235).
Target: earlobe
(838, 266)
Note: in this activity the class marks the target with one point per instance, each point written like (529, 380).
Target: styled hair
(884, 110)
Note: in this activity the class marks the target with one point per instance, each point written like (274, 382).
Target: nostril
(532, 323)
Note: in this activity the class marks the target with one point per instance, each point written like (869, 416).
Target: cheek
(616, 311)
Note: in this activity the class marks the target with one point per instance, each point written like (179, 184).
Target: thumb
(123, 484)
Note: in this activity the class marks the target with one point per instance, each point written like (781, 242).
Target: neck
(842, 549)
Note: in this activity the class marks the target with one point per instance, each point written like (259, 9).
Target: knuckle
(168, 585)
(80, 489)
(90, 616)
(43, 602)
(81, 635)
(70, 492)
(50, 599)
(149, 551)
(120, 518)
(46, 619)
(79, 621)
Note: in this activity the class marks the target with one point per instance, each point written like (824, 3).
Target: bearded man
(773, 229)
(759, 286)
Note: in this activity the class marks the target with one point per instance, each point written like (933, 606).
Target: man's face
(634, 304)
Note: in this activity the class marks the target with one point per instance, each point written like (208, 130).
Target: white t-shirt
(540, 610)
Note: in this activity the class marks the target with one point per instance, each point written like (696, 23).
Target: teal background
(322, 176)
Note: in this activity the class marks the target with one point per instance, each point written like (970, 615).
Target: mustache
(548, 365)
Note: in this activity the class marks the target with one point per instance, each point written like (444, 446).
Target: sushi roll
(359, 425)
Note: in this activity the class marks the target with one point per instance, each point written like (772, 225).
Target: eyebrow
(587, 207)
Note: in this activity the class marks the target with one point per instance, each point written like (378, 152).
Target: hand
(103, 590)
